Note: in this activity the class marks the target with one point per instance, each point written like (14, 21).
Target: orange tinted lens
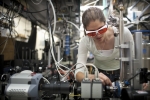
(102, 31)
(91, 34)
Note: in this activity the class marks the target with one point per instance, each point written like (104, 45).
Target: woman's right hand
(105, 80)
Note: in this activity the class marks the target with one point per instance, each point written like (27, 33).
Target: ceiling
(36, 10)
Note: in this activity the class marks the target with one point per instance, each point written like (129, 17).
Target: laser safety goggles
(101, 30)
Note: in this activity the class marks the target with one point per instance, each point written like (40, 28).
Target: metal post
(121, 39)
(23, 51)
(58, 53)
(139, 61)
(49, 57)
(29, 54)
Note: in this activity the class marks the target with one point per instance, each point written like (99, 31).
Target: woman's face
(95, 26)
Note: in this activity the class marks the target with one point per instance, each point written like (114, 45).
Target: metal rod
(135, 4)
(29, 54)
(121, 39)
(146, 8)
(138, 56)
(58, 53)
(26, 50)
(23, 52)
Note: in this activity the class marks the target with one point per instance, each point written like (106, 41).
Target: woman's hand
(105, 80)
(144, 86)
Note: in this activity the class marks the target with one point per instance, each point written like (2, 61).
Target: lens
(91, 34)
(102, 31)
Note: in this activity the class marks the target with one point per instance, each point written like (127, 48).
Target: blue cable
(143, 31)
(127, 83)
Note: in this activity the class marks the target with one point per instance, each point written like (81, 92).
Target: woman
(101, 42)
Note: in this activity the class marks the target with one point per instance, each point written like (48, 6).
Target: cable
(106, 7)
(70, 23)
(46, 80)
(54, 16)
(96, 70)
(51, 40)
(33, 16)
(134, 76)
(96, 2)
(143, 15)
(58, 63)
(91, 3)
(86, 73)
(135, 4)
(144, 25)
(73, 25)
(27, 10)
(4, 46)
(123, 14)
(52, 52)
(10, 18)
(36, 3)
(4, 41)
(127, 82)
(18, 22)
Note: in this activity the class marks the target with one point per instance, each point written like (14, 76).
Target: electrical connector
(86, 88)
(97, 89)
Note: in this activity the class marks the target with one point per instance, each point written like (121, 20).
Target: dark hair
(92, 14)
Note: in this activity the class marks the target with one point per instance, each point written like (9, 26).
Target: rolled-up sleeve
(82, 56)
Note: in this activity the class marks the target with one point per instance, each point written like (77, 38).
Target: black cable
(144, 26)
(30, 13)
(3, 42)
(15, 46)
(134, 76)
(143, 15)
(27, 10)
(10, 29)
(34, 17)
(130, 20)
(128, 3)
(123, 14)
(106, 7)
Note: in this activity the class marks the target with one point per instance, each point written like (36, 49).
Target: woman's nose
(98, 35)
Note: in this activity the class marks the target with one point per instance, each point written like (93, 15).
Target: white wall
(42, 35)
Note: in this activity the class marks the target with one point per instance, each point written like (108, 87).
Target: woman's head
(92, 14)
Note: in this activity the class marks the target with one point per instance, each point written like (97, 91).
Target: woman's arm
(82, 58)
(80, 76)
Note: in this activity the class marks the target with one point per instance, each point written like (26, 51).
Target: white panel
(21, 26)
